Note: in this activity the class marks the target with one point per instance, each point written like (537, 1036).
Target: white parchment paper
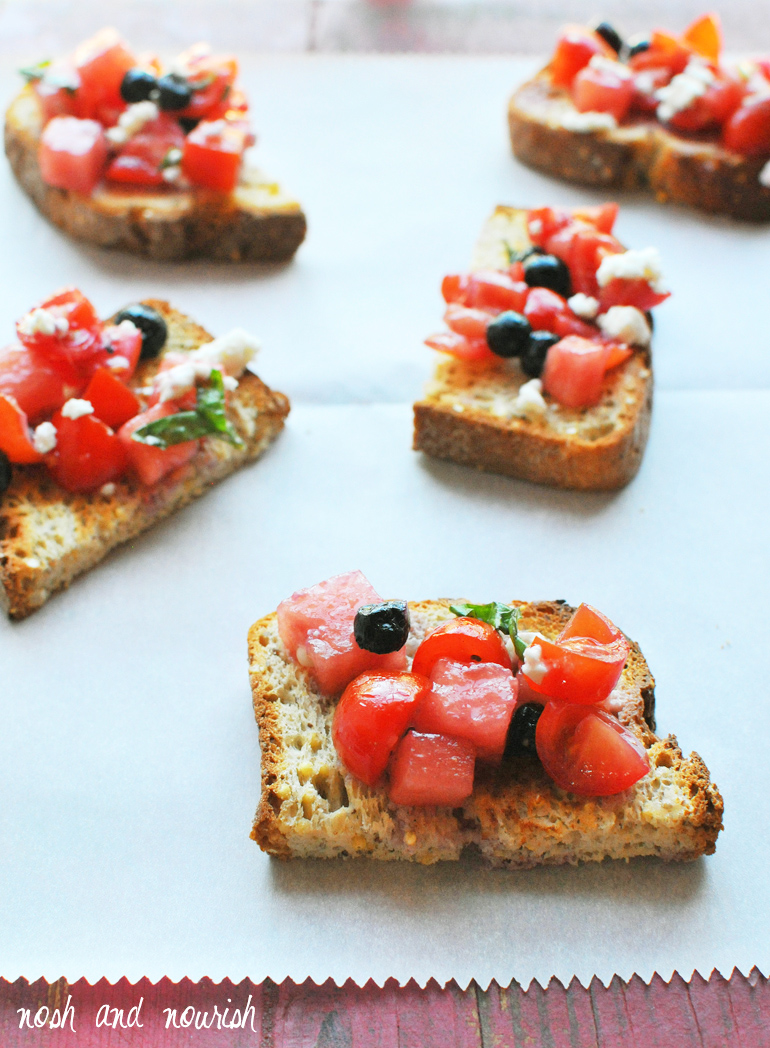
(129, 767)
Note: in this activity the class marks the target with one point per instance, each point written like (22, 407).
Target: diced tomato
(15, 440)
(454, 287)
(463, 348)
(113, 402)
(211, 77)
(122, 342)
(212, 155)
(470, 701)
(83, 336)
(583, 664)
(574, 371)
(602, 216)
(588, 752)
(601, 89)
(618, 354)
(646, 83)
(101, 64)
(748, 129)
(490, 289)
(542, 308)
(516, 271)
(713, 108)
(665, 52)
(140, 160)
(582, 247)
(233, 105)
(466, 321)
(87, 453)
(38, 382)
(55, 98)
(149, 463)
(374, 712)
(72, 153)
(568, 324)
(622, 292)
(432, 770)
(185, 401)
(463, 640)
(543, 222)
(316, 627)
(705, 36)
(574, 50)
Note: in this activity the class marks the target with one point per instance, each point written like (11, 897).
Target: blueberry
(174, 92)
(382, 628)
(610, 34)
(520, 740)
(508, 334)
(548, 271)
(137, 85)
(6, 472)
(638, 48)
(150, 323)
(533, 357)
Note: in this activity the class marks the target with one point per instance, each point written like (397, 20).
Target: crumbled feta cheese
(44, 438)
(533, 666)
(683, 89)
(172, 173)
(303, 658)
(608, 65)
(175, 381)
(43, 322)
(529, 400)
(108, 490)
(75, 408)
(229, 354)
(230, 383)
(118, 363)
(536, 226)
(764, 175)
(32, 562)
(527, 636)
(583, 305)
(636, 264)
(582, 123)
(131, 121)
(626, 323)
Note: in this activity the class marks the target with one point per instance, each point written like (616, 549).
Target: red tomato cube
(15, 440)
(87, 453)
(575, 49)
(748, 129)
(113, 402)
(122, 342)
(212, 155)
(101, 64)
(73, 153)
(151, 464)
(38, 381)
(574, 371)
(600, 88)
(432, 770)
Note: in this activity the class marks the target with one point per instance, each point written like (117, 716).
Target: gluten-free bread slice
(468, 414)
(257, 222)
(49, 535)
(311, 807)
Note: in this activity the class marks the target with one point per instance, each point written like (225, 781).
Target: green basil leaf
(35, 72)
(501, 616)
(211, 405)
(513, 629)
(173, 429)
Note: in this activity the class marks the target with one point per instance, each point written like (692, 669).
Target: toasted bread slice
(311, 807)
(467, 414)
(48, 535)
(640, 154)
(257, 222)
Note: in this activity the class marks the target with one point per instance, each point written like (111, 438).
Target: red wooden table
(700, 1014)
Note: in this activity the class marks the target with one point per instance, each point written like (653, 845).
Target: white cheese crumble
(303, 658)
(43, 322)
(533, 666)
(626, 323)
(131, 121)
(582, 123)
(608, 65)
(229, 354)
(107, 489)
(536, 226)
(529, 400)
(75, 408)
(118, 363)
(172, 173)
(764, 175)
(44, 438)
(637, 264)
(583, 305)
(683, 90)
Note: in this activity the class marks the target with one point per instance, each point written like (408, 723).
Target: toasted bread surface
(311, 807)
(48, 535)
(257, 222)
(641, 154)
(468, 412)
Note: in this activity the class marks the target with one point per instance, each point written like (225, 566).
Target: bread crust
(256, 222)
(311, 806)
(48, 536)
(696, 170)
(464, 418)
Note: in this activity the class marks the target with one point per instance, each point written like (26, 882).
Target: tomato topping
(72, 153)
(602, 216)
(489, 289)
(374, 712)
(618, 353)
(646, 83)
(79, 337)
(588, 752)
(543, 222)
(542, 308)
(622, 292)
(748, 129)
(15, 440)
(574, 50)
(713, 108)
(466, 321)
(122, 348)
(56, 99)
(101, 64)
(665, 52)
(149, 463)
(211, 77)
(574, 371)
(212, 155)
(705, 36)
(463, 640)
(461, 347)
(432, 770)
(454, 287)
(583, 664)
(470, 701)
(603, 89)
(140, 161)
(38, 382)
(113, 402)
(87, 453)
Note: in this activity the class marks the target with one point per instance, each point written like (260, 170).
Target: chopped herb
(35, 72)
(501, 616)
(207, 419)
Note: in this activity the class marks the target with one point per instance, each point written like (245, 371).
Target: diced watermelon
(316, 626)
(432, 770)
(473, 702)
